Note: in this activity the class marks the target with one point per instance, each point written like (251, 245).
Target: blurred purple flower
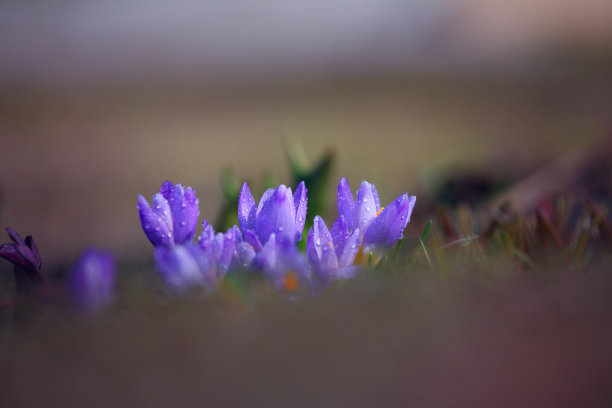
(279, 212)
(24, 255)
(173, 217)
(330, 261)
(285, 268)
(378, 228)
(184, 267)
(92, 281)
(224, 250)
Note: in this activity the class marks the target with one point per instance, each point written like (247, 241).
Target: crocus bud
(379, 227)
(24, 255)
(173, 217)
(279, 212)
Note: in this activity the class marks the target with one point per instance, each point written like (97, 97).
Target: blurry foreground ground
(73, 159)
(512, 340)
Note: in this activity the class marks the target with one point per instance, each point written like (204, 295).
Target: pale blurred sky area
(70, 40)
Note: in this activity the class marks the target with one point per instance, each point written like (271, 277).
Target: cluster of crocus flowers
(265, 242)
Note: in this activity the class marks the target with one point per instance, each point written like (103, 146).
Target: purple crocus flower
(285, 268)
(173, 217)
(24, 255)
(330, 261)
(186, 266)
(92, 281)
(378, 228)
(279, 212)
(223, 249)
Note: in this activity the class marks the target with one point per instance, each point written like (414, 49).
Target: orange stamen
(359, 258)
(290, 281)
(379, 211)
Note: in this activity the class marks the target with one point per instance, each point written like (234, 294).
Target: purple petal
(27, 255)
(251, 239)
(208, 233)
(267, 257)
(311, 251)
(227, 253)
(324, 247)
(184, 206)
(161, 207)
(217, 246)
(300, 202)
(167, 190)
(15, 237)
(11, 254)
(277, 216)
(349, 251)
(376, 198)
(340, 234)
(346, 203)
(92, 281)
(265, 197)
(206, 266)
(244, 254)
(237, 234)
(322, 257)
(365, 207)
(388, 227)
(158, 231)
(246, 209)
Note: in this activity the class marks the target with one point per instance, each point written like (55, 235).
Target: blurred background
(101, 101)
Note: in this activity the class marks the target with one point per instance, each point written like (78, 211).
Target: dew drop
(183, 223)
(281, 227)
(367, 209)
